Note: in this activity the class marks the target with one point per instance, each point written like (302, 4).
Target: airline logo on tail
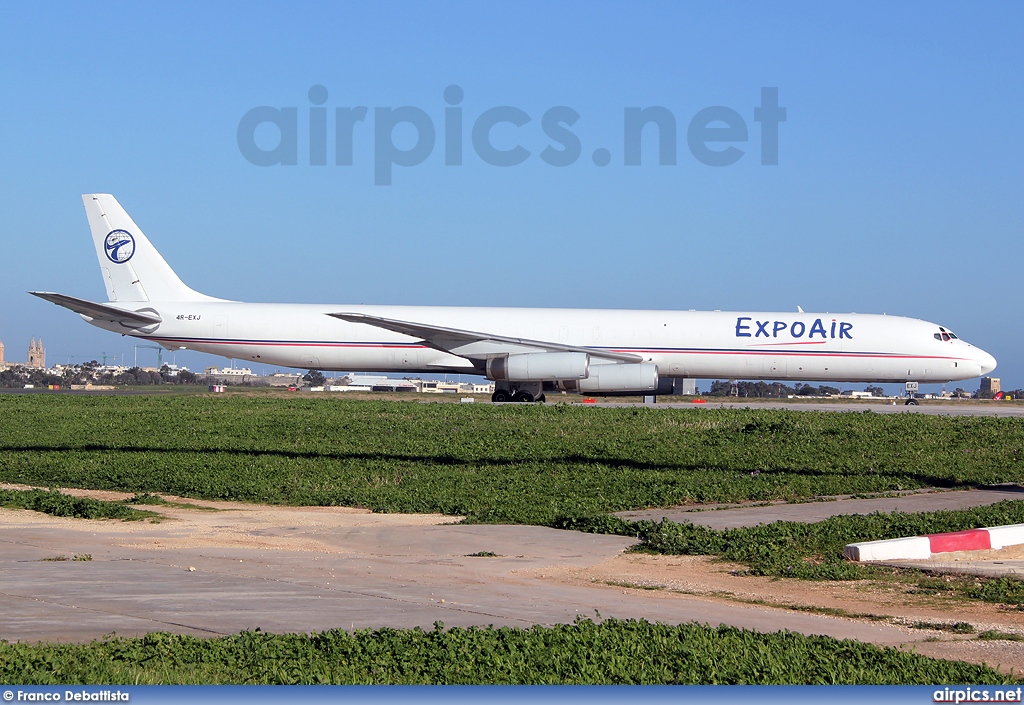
(119, 246)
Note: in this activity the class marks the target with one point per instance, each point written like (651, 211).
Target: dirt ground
(199, 524)
(192, 523)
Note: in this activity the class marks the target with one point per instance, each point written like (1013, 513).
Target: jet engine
(631, 377)
(537, 367)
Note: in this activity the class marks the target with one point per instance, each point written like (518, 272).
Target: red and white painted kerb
(922, 547)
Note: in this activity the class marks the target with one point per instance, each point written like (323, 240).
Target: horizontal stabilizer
(474, 345)
(101, 312)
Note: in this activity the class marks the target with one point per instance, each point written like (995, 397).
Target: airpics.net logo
(407, 136)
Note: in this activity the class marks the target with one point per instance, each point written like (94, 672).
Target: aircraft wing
(479, 346)
(102, 312)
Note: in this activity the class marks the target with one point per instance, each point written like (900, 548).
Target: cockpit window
(944, 334)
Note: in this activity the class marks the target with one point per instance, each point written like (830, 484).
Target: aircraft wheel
(542, 399)
(911, 402)
(523, 397)
(501, 396)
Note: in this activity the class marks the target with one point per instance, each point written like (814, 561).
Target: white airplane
(592, 351)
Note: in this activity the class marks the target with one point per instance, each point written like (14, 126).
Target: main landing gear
(524, 392)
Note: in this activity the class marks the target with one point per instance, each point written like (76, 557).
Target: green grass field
(566, 466)
(614, 651)
(513, 464)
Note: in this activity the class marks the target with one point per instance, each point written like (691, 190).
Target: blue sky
(898, 187)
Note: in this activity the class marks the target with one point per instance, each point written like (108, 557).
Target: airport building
(229, 371)
(374, 383)
(382, 383)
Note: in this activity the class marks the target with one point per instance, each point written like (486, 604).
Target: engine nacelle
(666, 386)
(537, 367)
(630, 377)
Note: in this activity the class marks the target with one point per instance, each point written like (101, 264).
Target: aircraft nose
(987, 362)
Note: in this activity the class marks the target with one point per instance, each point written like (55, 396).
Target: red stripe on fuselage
(659, 351)
(788, 353)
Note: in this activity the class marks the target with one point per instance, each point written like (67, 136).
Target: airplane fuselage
(698, 344)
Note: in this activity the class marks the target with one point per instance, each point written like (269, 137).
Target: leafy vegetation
(1006, 590)
(509, 464)
(956, 627)
(778, 390)
(146, 498)
(996, 635)
(65, 505)
(584, 652)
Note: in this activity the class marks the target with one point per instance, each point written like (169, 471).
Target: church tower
(36, 355)
(1, 351)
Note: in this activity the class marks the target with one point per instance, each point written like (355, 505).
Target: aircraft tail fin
(132, 268)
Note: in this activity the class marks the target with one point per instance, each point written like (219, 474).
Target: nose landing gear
(911, 394)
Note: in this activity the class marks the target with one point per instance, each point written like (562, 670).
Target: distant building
(1, 352)
(281, 379)
(853, 394)
(229, 371)
(990, 384)
(375, 383)
(36, 355)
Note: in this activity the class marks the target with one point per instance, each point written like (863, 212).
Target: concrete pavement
(301, 569)
(361, 577)
(730, 517)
